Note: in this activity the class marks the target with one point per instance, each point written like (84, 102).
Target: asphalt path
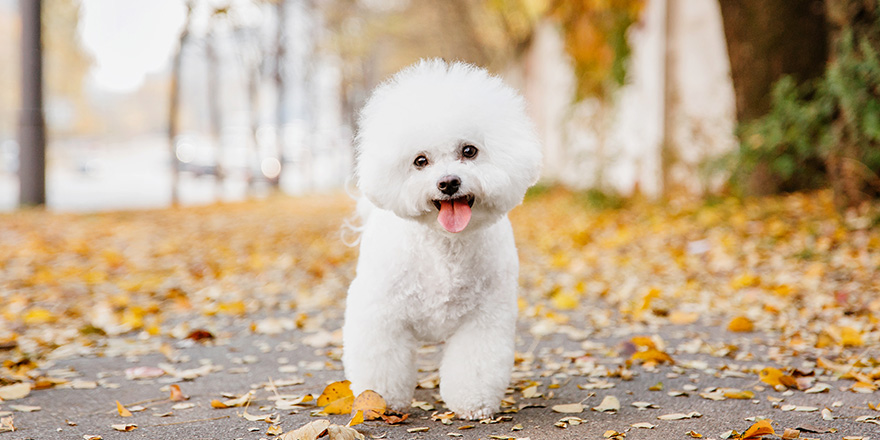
(568, 365)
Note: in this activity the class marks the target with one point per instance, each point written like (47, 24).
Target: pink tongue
(454, 214)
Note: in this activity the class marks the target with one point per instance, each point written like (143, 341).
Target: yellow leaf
(218, 404)
(773, 377)
(758, 429)
(38, 316)
(850, 337)
(370, 403)
(337, 398)
(357, 418)
(745, 280)
(643, 341)
(741, 324)
(121, 410)
(176, 394)
(739, 394)
(652, 356)
(274, 430)
(564, 301)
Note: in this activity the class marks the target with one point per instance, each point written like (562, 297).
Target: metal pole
(32, 126)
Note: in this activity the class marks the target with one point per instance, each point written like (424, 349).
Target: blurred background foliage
(262, 76)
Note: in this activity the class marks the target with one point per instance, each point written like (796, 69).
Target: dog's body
(444, 152)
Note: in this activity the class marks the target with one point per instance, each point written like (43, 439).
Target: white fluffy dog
(444, 151)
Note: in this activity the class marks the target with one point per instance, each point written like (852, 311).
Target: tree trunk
(32, 126)
(767, 39)
(215, 116)
(280, 85)
(174, 106)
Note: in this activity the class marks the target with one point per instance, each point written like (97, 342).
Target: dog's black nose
(449, 184)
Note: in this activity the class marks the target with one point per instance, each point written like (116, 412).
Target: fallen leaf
(774, 377)
(274, 430)
(370, 403)
(741, 324)
(6, 424)
(419, 429)
(790, 434)
(24, 408)
(643, 425)
(394, 419)
(122, 411)
(15, 391)
(309, 431)
(357, 418)
(125, 427)
(680, 416)
(759, 428)
(143, 373)
(568, 408)
(694, 434)
(200, 335)
(176, 394)
(739, 394)
(218, 404)
(337, 398)
(424, 406)
(609, 404)
(183, 406)
(339, 432)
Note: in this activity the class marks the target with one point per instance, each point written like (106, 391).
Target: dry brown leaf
(6, 424)
(125, 427)
(568, 408)
(339, 432)
(790, 434)
(394, 419)
(309, 431)
(609, 404)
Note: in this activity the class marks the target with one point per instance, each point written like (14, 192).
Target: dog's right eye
(420, 162)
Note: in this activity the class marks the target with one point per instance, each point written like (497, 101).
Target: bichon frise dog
(444, 151)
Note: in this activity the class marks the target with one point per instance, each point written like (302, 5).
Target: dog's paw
(478, 414)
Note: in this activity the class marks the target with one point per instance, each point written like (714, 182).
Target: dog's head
(446, 144)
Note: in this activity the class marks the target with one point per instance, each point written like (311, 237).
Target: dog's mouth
(454, 213)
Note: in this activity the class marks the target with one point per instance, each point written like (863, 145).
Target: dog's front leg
(379, 356)
(477, 363)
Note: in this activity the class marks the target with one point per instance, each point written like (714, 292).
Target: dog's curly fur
(425, 276)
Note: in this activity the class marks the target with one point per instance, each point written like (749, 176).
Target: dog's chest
(442, 294)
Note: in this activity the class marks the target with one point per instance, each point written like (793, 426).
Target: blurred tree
(214, 89)
(820, 132)
(67, 65)
(767, 39)
(174, 103)
(595, 38)
(281, 85)
(32, 127)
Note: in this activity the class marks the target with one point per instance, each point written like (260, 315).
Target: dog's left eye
(469, 151)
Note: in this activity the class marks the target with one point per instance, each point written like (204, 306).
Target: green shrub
(824, 133)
